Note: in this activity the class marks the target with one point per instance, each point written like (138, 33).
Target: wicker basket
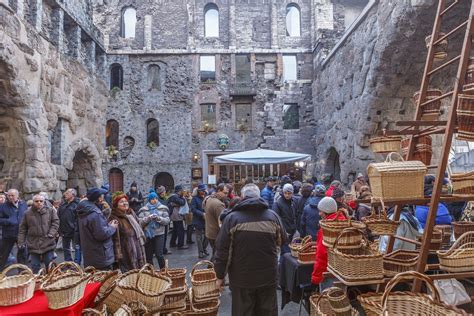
(133, 308)
(333, 228)
(461, 228)
(145, 285)
(175, 300)
(39, 278)
(95, 312)
(441, 49)
(297, 243)
(436, 239)
(177, 276)
(465, 114)
(406, 303)
(385, 144)
(423, 149)
(430, 111)
(460, 257)
(399, 261)
(65, 288)
(107, 278)
(446, 231)
(380, 224)
(307, 253)
(18, 288)
(339, 301)
(468, 89)
(470, 71)
(356, 264)
(397, 179)
(112, 298)
(463, 183)
(204, 281)
(320, 306)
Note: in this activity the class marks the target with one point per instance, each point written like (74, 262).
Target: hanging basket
(380, 224)
(65, 288)
(399, 261)
(204, 281)
(440, 49)
(407, 303)
(460, 257)
(385, 144)
(397, 179)
(333, 228)
(463, 183)
(18, 288)
(355, 264)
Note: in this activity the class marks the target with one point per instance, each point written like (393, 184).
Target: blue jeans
(46, 257)
(67, 250)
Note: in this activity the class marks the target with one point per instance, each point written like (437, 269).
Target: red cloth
(38, 304)
(329, 191)
(321, 263)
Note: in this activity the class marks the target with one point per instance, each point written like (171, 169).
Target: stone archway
(333, 166)
(164, 179)
(82, 161)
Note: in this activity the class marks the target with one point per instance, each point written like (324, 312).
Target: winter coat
(38, 229)
(442, 216)
(329, 191)
(213, 207)
(286, 209)
(362, 210)
(198, 213)
(404, 229)
(135, 205)
(68, 218)
(310, 218)
(268, 195)
(356, 185)
(301, 202)
(153, 227)
(10, 218)
(249, 231)
(174, 203)
(321, 263)
(128, 248)
(96, 236)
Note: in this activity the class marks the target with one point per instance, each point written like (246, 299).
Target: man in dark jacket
(96, 234)
(175, 201)
(135, 198)
(310, 218)
(11, 215)
(267, 193)
(285, 207)
(250, 230)
(68, 224)
(305, 191)
(199, 220)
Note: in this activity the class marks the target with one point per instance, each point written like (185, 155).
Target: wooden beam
(421, 123)
(421, 201)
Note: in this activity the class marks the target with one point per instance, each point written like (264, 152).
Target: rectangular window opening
(208, 68)
(291, 116)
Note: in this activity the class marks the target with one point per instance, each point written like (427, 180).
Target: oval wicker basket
(207, 308)
(297, 243)
(204, 281)
(65, 288)
(385, 144)
(307, 253)
(463, 183)
(333, 228)
(112, 298)
(380, 224)
(320, 306)
(18, 288)
(460, 257)
(399, 261)
(461, 228)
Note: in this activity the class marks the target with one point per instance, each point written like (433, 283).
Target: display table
(294, 278)
(38, 304)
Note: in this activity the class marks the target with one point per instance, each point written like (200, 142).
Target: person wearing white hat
(327, 211)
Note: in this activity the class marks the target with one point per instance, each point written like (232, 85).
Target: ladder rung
(450, 32)
(432, 166)
(449, 8)
(444, 65)
(437, 98)
(421, 123)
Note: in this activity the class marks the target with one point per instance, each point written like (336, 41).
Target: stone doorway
(332, 164)
(164, 179)
(82, 175)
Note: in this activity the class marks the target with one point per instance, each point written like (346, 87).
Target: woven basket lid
(394, 166)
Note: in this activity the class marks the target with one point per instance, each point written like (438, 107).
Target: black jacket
(198, 213)
(248, 244)
(286, 209)
(96, 236)
(68, 218)
(10, 218)
(135, 205)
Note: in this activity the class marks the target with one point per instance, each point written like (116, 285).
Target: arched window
(152, 133)
(293, 20)
(211, 20)
(116, 76)
(112, 134)
(154, 80)
(116, 180)
(129, 21)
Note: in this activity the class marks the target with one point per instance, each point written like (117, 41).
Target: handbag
(452, 292)
(184, 210)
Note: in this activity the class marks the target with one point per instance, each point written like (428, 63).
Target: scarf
(138, 230)
(152, 225)
(408, 214)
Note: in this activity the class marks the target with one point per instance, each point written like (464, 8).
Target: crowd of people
(246, 234)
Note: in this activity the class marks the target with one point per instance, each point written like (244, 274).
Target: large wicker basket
(321, 306)
(397, 179)
(385, 144)
(463, 183)
(399, 261)
(145, 285)
(356, 264)
(333, 228)
(430, 111)
(177, 276)
(204, 281)
(64, 288)
(380, 224)
(465, 116)
(460, 257)
(423, 149)
(207, 308)
(106, 278)
(461, 228)
(112, 298)
(18, 288)
(406, 303)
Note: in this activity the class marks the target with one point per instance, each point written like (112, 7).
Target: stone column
(148, 38)
(37, 14)
(57, 34)
(74, 37)
(101, 61)
(20, 8)
(191, 27)
(274, 25)
(232, 38)
(89, 61)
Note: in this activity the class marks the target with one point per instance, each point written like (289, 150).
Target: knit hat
(360, 175)
(160, 189)
(117, 198)
(285, 179)
(337, 193)
(106, 186)
(288, 188)
(152, 196)
(201, 187)
(94, 194)
(327, 205)
(178, 188)
(320, 190)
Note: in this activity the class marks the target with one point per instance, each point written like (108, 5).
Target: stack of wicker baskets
(175, 296)
(423, 149)
(204, 294)
(297, 243)
(460, 257)
(333, 228)
(430, 111)
(307, 253)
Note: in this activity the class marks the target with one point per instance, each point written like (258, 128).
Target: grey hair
(250, 190)
(72, 191)
(39, 196)
(15, 191)
(44, 194)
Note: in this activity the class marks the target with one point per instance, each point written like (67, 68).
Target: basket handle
(165, 269)
(306, 240)
(28, 271)
(389, 157)
(409, 275)
(382, 212)
(202, 262)
(345, 231)
(57, 271)
(148, 267)
(90, 269)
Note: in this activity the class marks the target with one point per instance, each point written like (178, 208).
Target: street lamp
(195, 157)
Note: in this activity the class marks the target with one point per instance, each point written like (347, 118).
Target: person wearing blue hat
(199, 220)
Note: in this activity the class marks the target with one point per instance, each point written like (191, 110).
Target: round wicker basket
(18, 288)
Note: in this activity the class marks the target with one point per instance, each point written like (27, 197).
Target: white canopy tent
(261, 156)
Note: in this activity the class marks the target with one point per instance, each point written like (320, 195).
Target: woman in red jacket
(327, 210)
